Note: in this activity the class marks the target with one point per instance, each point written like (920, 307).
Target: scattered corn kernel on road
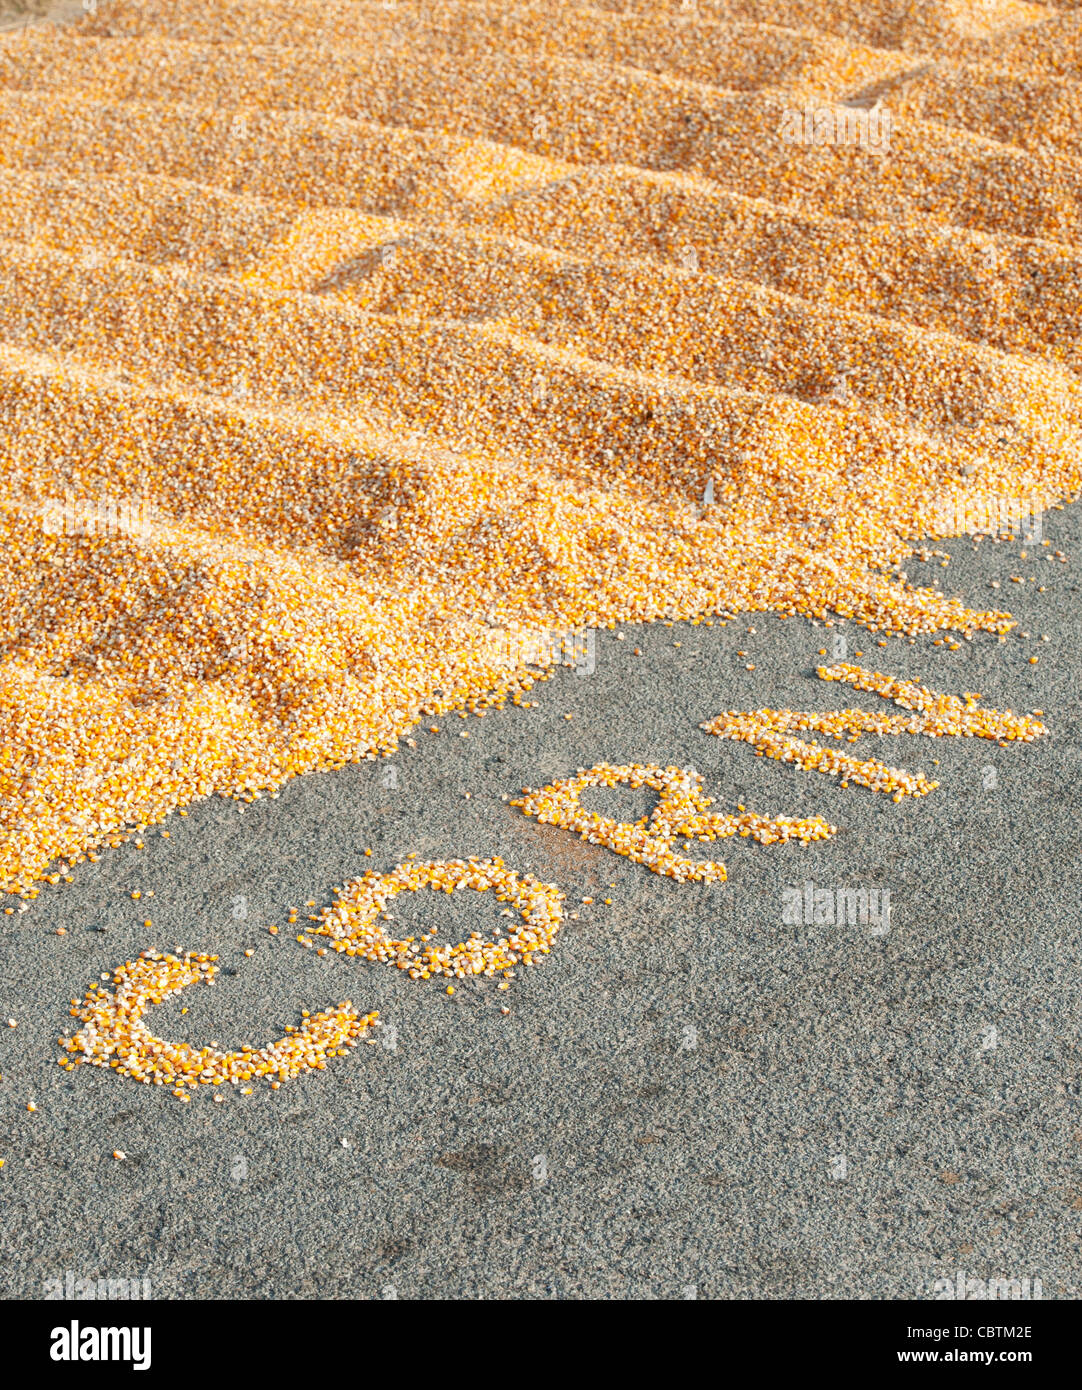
(342, 348)
(686, 1063)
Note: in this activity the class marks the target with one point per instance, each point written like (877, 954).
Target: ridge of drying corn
(396, 326)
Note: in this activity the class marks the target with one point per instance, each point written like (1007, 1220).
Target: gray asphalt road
(688, 1098)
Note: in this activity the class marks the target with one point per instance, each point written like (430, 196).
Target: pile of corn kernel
(394, 325)
(681, 810)
(939, 716)
(352, 923)
(114, 1034)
